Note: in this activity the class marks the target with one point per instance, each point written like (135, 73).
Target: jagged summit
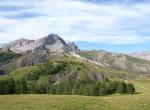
(21, 42)
(73, 46)
(15, 45)
(51, 39)
(52, 43)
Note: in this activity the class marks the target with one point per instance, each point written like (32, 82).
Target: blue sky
(113, 25)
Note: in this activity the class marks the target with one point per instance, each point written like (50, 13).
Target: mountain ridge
(52, 43)
(142, 55)
(117, 60)
(36, 51)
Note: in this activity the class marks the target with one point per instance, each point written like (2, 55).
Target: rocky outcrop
(31, 59)
(73, 46)
(17, 46)
(142, 55)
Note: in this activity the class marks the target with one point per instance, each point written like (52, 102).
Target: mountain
(37, 51)
(72, 69)
(17, 46)
(22, 57)
(117, 60)
(142, 55)
(73, 46)
(52, 43)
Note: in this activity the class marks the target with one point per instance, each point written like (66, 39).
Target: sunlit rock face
(52, 43)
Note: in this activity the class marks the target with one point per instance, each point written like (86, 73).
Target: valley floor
(139, 101)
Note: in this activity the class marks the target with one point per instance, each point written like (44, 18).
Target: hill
(43, 65)
(117, 61)
(142, 55)
(17, 57)
(76, 69)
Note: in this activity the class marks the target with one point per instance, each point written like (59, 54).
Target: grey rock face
(73, 47)
(17, 45)
(31, 59)
(142, 55)
(52, 43)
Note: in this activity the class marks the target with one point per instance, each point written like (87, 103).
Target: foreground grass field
(139, 101)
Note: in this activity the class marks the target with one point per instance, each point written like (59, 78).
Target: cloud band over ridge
(76, 20)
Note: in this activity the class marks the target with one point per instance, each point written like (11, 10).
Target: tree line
(10, 86)
(87, 88)
(46, 68)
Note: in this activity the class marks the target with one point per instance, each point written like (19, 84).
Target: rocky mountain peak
(52, 39)
(55, 36)
(21, 42)
(73, 46)
(16, 44)
(52, 43)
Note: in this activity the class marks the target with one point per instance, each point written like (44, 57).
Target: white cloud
(76, 21)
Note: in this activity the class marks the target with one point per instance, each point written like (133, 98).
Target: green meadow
(138, 101)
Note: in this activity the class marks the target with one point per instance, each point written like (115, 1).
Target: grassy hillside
(117, 61)
(6, 57)
(139, 101)
(7, 60)
(21, 72)
(72, 70)
(76, 69)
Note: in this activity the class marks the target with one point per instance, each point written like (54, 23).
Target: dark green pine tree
(102, 89)
(130, 88)
(93, 90)
(111, 87)
(24, 87)
(11, 86)
(81, 88)
(121, 88)
(86, 91)
(32, 87)
(21, 86)
(7, 86)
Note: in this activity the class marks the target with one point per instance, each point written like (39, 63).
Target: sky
(112, 25)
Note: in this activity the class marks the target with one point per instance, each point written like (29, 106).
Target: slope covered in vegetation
(64, 74)
(139, 101)
(117, 61)
(6, 57)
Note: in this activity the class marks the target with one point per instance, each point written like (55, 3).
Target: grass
(21, 72)
(89, 55)
(43, 79)
(139, 101)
